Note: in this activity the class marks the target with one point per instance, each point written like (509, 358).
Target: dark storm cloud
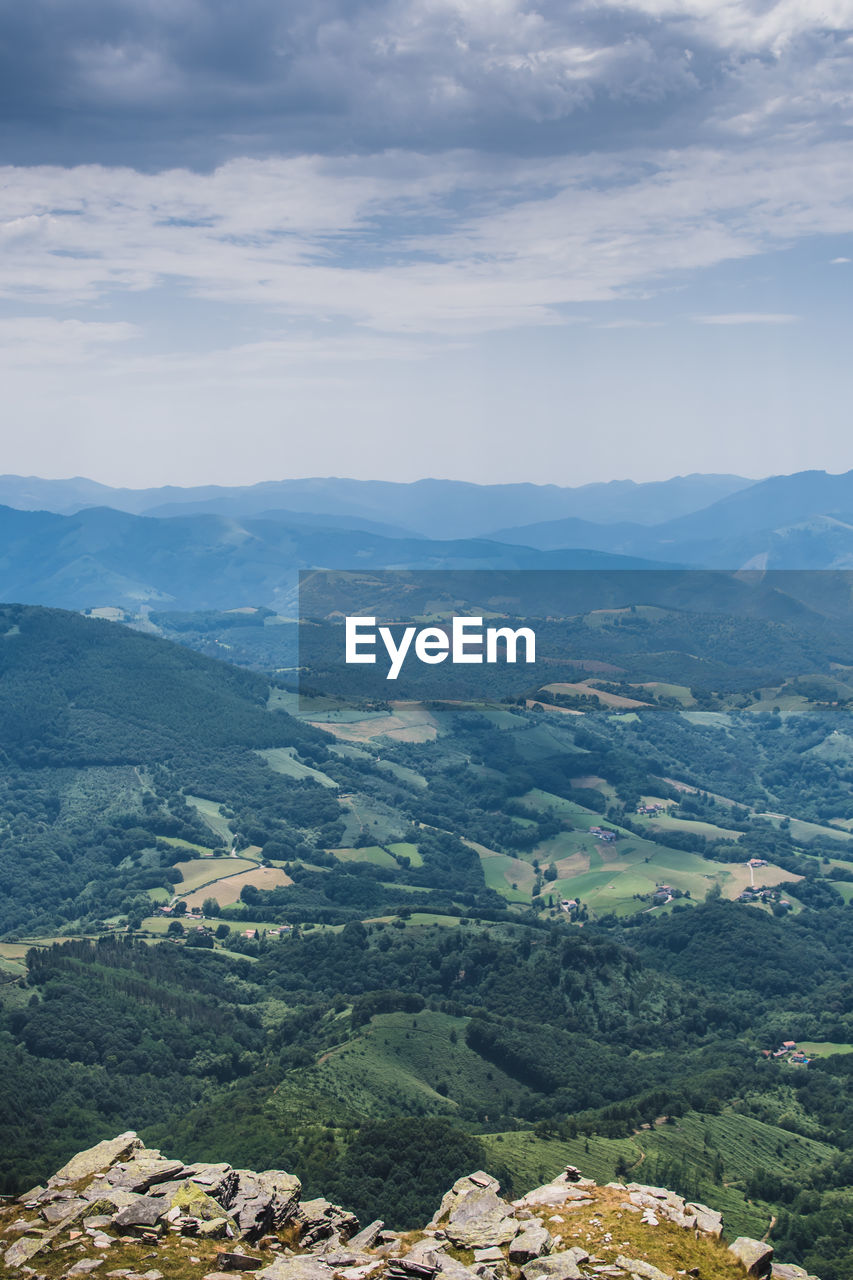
(154, 82)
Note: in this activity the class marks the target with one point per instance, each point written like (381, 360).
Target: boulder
(64, 1211)
(296, 1268)
(142, 1173)
(637, 1267)
(532, 1242)
(557, 1266)
(479, 1219)
(319, 1219)
(95, 1159)
(143, 1212)
(192, 1201)
(263, 1202)
(755, 1255)
(23, 1249)
(707, 1220)
(367, 1237)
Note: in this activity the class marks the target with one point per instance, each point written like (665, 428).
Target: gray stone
(532, 1242)
(263, 1202)
(238, 1261)
(450, 1268)
(319, 1219)
(140, 1174)
(480, 1219)
(84, 1266)
(213, 1229)
(144, 1212)
(95, 1159)
(557, 1266)
(755, 1255)
(22, 1250)
(638, 1267)
(707, 1220)
(554, 1193)
(488, 1255)
(296, 1268)
(788, 1271)
(63, 1211)
(367, 1237)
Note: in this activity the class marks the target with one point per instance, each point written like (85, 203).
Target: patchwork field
(409, 722)
(229, 888)
(586, 688)
(204, 871)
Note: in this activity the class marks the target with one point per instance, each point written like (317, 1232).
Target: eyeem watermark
(467, 641)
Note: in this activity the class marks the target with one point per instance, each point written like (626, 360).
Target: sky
(492, 240)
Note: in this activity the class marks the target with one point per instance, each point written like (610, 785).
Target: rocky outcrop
(119, 1203)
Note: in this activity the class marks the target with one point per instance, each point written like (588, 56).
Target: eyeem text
(467, 641)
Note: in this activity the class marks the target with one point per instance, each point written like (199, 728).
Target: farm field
(587, 688)
(408, 722)
(204, 871)
(228, 889)
(374, 854)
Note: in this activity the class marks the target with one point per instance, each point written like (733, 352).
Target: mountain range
(79, 544)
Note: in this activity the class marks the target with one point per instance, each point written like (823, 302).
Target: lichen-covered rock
(23, 1249)
(143, 1172)
(557, 1266)
(319, 1219)
(755, 1255)
(638, 1267)
(534, 1241)
(707, 1220)
(296, 1268)
(479, 1219)
(143, 1212)
(96, 1158)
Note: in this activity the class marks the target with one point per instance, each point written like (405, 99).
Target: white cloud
(314, 238)
(39, 341)
(747, 317)
(837, 261)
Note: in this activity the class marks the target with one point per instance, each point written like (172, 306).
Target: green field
(202, 850)
(406, 850)
(283, 760)
(205, 871)
(402, 1061)
(209, 813)
(822, 1048)
(372, 853)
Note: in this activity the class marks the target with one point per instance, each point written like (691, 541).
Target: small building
(789, 1044)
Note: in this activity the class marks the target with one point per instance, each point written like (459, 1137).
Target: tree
(210, 907)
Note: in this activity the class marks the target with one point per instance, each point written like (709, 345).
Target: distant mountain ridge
(429, 507)
(100, 557)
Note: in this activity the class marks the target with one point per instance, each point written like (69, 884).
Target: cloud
(41, 341)
(837, 261)
(196, 82)
(449, 244)
(747, 317)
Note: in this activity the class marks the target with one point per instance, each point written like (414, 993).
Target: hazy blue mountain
(456, 509)
(102, 557)
(432, 508)
(801, 521)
